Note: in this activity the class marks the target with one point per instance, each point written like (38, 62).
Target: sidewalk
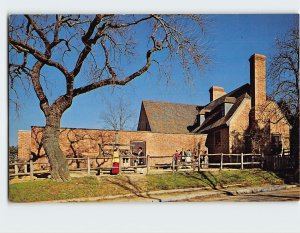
(177, 194)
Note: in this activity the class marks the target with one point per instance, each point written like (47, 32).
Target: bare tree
(284, 77)
(97, 44)
(283, 72)
(118, 115)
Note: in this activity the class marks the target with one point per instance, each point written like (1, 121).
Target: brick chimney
(257, 83)
(216, 92)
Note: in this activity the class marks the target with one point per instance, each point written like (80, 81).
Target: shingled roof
(167, 117)
(181, 118)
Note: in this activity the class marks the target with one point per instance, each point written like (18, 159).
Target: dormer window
(201, 118)
(225, 108)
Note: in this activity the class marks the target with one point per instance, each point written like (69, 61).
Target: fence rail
(165, 163)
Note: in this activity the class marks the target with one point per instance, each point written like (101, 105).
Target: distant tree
(118, 115)
(12, 153)
(72, 44)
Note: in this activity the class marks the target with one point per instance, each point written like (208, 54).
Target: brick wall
(238, 125)
(278, 123)
(269, 118)
(80, 142)
(24, 150)
(257, 83)
(223, 146)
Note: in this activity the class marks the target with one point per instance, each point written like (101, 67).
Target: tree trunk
(50, 140)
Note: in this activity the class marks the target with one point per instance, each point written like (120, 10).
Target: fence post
(31, 169)
(148, 163)
(242, 161)
(88, 166)
(221, 162)
(199, 162)
(16, 170)
(262, 160)
(135, 163)
(280, 163)
(25, 168)
(173, 164)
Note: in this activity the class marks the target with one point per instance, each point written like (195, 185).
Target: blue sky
(232, 40)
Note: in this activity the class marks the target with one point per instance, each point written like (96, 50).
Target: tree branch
(38, 55)
(35, 77)
(40, 33)
(113, 81)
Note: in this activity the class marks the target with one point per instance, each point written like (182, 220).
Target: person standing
(182, 154)
(177, 159)
(115, 162)
(188, 158)
(141, 160)
(126, 159)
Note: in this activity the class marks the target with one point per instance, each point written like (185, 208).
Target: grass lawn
(47, 190)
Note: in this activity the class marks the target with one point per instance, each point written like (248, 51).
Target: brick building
(243, 120)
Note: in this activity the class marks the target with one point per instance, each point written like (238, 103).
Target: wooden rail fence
(165, 163)
(281, 162)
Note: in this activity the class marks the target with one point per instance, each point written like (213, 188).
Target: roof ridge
(163, 102)
(227, 94)
(240, 87)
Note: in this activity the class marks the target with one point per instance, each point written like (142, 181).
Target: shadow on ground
(209, 179)
(127, 184)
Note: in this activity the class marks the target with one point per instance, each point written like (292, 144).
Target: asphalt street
(291, 194)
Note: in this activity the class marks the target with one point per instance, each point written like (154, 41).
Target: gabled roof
(214, 120)
(167, 117)
(214, 117)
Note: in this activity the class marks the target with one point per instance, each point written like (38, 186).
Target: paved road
(292, 194)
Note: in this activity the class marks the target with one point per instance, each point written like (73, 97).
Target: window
(135, 145)
(218, 138)
(276, 144)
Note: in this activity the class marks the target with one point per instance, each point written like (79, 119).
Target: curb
(144, 194)
(257, 190)
(182, 198)
(234, 193)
